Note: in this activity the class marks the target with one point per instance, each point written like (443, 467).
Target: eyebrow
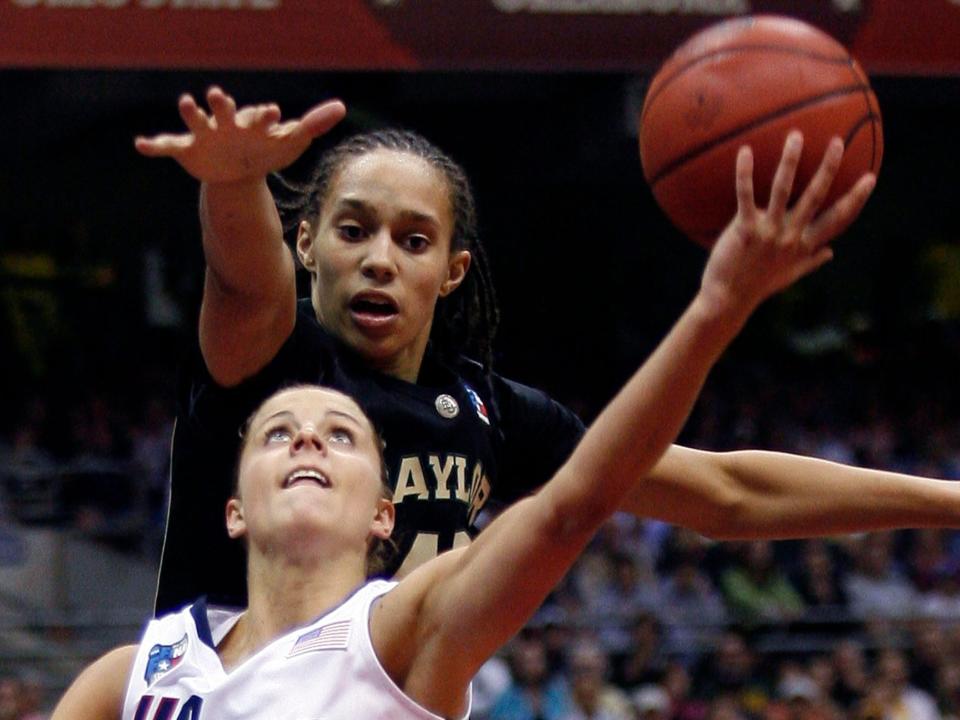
(368, 209)
(347, 415)
(290, 415)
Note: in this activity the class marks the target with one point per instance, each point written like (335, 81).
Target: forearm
(249, 294)
(758, 494)
(242, 237)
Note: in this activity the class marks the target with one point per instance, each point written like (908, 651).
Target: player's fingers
(321, 118)
(837, 218)
(266, 115)
(783, 179)
(192, 114)
(256, 117)
(816, 191)
(223, 106)
(746, 207)
(165, 145)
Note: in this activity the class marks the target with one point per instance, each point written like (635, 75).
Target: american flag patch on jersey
(329, 637)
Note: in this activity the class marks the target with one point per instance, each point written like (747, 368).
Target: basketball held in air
(749, 81)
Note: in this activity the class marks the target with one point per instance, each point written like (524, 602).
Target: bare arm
(249, 295)
(757, 494)
(436, 629)
(98, 692)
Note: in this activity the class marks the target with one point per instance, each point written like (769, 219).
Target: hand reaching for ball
(764, 250)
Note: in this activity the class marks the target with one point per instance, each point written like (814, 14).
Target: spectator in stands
(879, 592)
(727, 707)
(594, 697)
(628, 592)
(533, 694)
(644, 660)
(651, 702)
(948, 690)
(731, 670)
(756, 590)
(691, 608)
(900, 699)
(800, 698)
(941, 600)
(852, 674)
(819, 580)
(9, 698)
(927, 558)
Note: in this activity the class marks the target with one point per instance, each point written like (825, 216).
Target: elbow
(723, 521)
(722, 514)
(572, 516)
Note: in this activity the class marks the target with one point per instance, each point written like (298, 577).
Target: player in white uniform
(335, 647)
(312, 507)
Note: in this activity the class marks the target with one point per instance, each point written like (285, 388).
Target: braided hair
(465, 321)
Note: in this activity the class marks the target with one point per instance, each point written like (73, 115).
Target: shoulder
(517, 402)
(400, 618)
(98, 692)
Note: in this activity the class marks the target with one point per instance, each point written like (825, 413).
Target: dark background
(589, 272)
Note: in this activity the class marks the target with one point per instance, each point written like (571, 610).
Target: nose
(307, 438)
(379, 263)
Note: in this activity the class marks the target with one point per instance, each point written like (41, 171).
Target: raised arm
(442, 622)
(249, 294)
(98, 692)
(757, 494)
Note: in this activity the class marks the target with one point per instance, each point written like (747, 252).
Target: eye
(341, 436)
(279, 434)
(416, 243)
(351, 232)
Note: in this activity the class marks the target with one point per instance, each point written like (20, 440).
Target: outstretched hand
(762, 251)
(230, 145)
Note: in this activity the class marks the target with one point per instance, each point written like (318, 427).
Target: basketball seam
(845, 60)
(873, 117)
(680, 160)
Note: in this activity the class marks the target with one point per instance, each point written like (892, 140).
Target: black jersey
(453, 441)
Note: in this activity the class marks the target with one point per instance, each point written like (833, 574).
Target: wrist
(721, 305)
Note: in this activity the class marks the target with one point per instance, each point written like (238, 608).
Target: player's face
(309, 469)
(381, 257)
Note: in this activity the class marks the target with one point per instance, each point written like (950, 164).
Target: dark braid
(466, 320)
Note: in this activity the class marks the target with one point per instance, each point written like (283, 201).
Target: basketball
(749, 81)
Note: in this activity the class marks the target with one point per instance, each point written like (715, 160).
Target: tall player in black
(388, 235)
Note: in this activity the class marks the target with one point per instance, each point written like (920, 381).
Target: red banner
(887, 36)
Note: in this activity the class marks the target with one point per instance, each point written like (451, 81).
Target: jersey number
(425, 547)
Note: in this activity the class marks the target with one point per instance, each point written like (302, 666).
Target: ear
(456, 271)
(236, 525)
(305, 244)
(383, 519)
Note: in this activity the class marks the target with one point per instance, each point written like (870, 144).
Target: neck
(284, 595)
(405, 365)
(402, 363)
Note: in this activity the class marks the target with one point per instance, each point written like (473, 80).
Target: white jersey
(326, 670)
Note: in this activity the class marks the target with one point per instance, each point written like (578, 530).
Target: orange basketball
(749, 81)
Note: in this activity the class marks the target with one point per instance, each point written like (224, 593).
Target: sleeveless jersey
(454, 440)
(326, 670)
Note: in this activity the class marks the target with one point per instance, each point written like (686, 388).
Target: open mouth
(306, 475)
(373, 306)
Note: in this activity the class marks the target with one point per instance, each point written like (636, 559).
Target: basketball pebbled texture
(750, 81)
